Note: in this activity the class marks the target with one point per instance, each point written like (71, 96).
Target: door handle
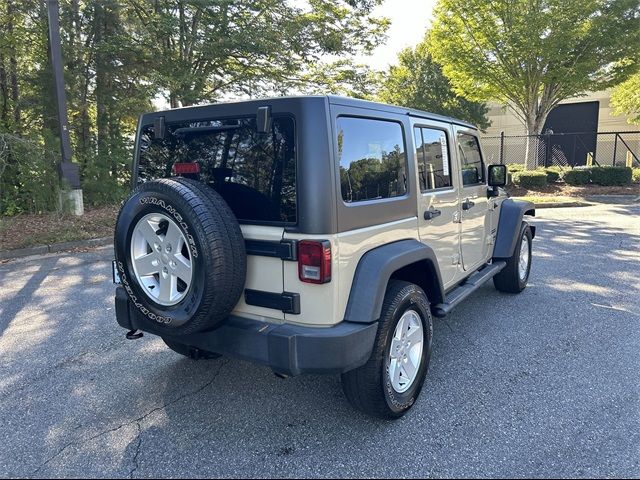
(468, 204)
(431, 214)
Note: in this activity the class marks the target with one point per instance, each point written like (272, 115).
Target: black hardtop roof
(336, 100)
(356, 102)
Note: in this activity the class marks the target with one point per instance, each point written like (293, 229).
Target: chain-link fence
(565, 149)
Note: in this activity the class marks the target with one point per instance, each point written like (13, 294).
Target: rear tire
(189, 351)
(179, 234)
(514, 277)
(371, 388)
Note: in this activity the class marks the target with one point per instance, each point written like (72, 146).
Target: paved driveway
(546, 383)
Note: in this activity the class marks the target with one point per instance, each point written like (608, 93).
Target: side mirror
(497, 178)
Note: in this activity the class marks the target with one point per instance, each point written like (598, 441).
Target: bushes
(610, 176)
(605, 176)
(635, 176)
(579, 176)
(29, 181)
(553, 174)
(28, 177)
(531, 179)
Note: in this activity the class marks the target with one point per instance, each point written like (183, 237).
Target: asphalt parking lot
(545, 383)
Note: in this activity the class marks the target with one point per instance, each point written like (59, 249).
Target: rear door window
(372, 159)
(254, 172)
(432, 153)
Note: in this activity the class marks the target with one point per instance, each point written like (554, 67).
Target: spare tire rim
(523, 262)
(405, 354)
(162, 263)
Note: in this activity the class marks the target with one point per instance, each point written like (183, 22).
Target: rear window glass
(372, 158)
(254, 172)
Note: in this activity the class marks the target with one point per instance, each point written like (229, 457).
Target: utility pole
(69, 172)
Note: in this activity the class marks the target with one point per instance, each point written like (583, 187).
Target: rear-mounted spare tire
(181, 256)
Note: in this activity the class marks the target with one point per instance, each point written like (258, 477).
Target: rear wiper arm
(204, 130)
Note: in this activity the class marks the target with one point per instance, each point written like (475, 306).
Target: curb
(55, 248)
(563, 204)
(613, 199)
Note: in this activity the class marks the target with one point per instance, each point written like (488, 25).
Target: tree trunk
(535, 122)
(173, 100)
(13, 69)
(102, 121)
(4, 95)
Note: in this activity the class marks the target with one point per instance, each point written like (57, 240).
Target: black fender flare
(511, 214)
(376, 267)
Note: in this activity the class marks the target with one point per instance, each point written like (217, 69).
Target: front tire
(514, 277)
(388, 385)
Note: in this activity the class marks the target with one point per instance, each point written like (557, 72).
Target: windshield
(254, 172)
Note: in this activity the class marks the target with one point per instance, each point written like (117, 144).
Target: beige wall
(504, 120)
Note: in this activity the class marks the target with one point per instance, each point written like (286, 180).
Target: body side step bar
(470, 285)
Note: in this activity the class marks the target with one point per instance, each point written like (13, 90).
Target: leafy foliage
(529, 179)
(418, 82)
(610, 176)
(531, 55)
(28, 177)
(553, 174)
(577, 176)
(120, 55)
(626, 99)
(201, 50)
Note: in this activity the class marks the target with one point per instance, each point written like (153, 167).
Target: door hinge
(491, 239)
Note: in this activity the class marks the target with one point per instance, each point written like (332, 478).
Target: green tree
(418, 82)
(200, 50)
(532, 54)
(341, 77)
(626, 99)
(121, 54)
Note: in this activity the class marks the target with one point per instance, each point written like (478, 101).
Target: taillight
(186, 168)
(314, 261)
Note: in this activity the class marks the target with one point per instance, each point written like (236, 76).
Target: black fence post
(502, 148)
(547, 150)
(615, 149)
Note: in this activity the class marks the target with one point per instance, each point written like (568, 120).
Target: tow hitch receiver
(134, 334)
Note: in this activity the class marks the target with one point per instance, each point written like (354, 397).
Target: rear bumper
(286, 349)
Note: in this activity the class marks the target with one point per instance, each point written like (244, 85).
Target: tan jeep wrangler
(313, 234)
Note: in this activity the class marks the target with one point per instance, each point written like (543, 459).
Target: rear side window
(433, 158)
(255, 173)
(472, 165)
(372, 159)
